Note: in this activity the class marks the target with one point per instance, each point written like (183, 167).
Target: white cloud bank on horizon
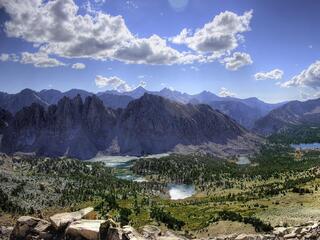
(224, 92)
(116, 83)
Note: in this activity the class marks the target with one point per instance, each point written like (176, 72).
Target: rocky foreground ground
(83, 225)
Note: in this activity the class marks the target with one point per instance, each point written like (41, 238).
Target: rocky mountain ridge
(150, 124)
(254, 108)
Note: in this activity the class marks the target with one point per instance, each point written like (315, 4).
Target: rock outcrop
(73, 226)
(308, 231)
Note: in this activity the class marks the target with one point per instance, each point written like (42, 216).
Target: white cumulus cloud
(275, 74)
(226, 93)
(142, 84)
(237, 60)
(309, 77)
(222, 34)
(39, 59)
(113, 82)
(6, 57)
(57, 28)
(78, 66)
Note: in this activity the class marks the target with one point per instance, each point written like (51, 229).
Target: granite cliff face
(72, 127)
(153, 124)
(150, 124)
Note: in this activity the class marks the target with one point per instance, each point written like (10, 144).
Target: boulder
(87, 229)
(27, 225)
(42, 226)
(62, 220)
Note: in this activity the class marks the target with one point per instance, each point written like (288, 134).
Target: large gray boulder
(87, 229)
(62, 220)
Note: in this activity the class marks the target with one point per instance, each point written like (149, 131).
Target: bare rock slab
(62, 220)
(87, 229)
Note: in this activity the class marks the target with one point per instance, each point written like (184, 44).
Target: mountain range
(291, 114)
(150, 124)
(244, 111)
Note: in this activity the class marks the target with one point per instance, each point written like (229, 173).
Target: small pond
(181, 191)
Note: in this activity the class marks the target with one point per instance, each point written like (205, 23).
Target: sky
(268, 49)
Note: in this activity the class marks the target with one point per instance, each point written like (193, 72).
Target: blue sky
(123, 44)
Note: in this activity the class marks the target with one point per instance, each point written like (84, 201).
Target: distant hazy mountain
(245, 111)
(15, 102)
(52, 96)
(110, 99)
(259, 105)
(291, 114)
(150, 124)
(206, 97)
(174, 95)
(242, 113)
(115, 101)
